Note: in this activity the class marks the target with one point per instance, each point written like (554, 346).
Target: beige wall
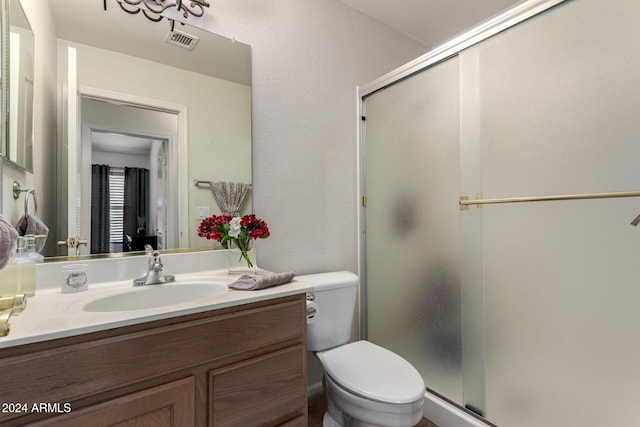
(308, 58)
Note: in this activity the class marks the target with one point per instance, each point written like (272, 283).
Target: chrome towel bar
(198, 182)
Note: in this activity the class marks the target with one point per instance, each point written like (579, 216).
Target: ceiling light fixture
(153, 9)
(188, 7)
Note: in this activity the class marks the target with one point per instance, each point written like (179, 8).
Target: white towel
(8, 239)
(253, 282)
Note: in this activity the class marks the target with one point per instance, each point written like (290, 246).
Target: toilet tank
(335, 293)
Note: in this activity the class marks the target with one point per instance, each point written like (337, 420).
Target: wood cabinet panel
(131, 358)
(301, 421)
(168, 405)
(264, 391)
(267, 339)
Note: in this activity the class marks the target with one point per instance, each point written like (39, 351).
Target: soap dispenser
(8, 275)
(26, 267)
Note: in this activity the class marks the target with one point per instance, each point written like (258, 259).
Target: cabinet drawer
(265, 391)
(167, 405)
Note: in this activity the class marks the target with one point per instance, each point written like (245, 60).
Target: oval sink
(154, 296)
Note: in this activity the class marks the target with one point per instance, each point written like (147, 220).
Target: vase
(241, 262)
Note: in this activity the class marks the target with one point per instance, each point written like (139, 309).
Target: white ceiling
(120, 143)
(432, 22)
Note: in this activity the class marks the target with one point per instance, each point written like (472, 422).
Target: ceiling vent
(182, 39)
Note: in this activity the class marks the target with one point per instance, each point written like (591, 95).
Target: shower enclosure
(501, 178)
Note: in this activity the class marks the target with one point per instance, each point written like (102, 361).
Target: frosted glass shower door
(412, 229)
(559, 97)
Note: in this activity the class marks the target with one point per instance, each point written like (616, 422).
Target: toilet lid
(373, 372)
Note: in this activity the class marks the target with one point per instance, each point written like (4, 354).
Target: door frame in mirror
(179, 150)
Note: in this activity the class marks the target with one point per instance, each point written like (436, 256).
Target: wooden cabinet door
(167, 405)
(269, 390)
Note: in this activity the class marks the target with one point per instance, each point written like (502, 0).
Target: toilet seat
(373, 372)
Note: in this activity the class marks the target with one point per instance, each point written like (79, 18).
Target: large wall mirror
(17, 141)
(166, 113)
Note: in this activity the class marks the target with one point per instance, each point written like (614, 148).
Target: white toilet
(365, 384)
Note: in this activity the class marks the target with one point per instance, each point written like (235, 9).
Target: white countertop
(51, 314)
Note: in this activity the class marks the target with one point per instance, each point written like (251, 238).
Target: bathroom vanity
(237, 358)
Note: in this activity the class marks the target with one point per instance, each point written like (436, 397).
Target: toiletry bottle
(8, 276)
(33, 255)
(31, 249)
(26, 267)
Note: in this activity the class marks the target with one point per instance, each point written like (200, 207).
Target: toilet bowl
(347, 409)
(370, 385)
(365, 384)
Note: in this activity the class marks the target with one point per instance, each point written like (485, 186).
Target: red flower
(213, 227)
(216, 227)
(256, 228)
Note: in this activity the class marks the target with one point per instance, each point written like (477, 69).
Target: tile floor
(317, 406)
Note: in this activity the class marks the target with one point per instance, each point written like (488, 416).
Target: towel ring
(30, 192)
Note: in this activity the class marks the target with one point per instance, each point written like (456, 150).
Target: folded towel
(8, 239)
(29, 224)
(253, 282)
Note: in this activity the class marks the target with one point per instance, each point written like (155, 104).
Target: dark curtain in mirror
(136, 198)
(100, 212)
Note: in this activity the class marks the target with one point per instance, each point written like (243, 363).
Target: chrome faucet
(155, 275)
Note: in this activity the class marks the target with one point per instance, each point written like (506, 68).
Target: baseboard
(444, 414)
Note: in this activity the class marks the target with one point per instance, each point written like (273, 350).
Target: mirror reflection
(18, 147)
(152, 118)
(128, 185)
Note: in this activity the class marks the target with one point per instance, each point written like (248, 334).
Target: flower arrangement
(240, 230)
